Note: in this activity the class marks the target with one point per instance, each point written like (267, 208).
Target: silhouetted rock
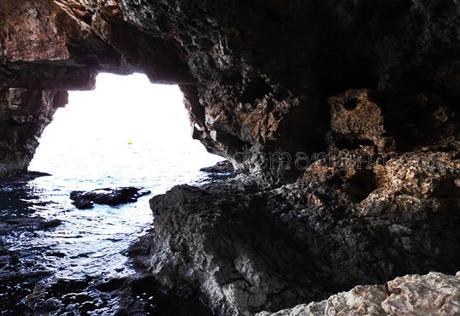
(112, 197)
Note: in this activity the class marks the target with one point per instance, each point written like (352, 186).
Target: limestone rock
(246, 248)
(430, 294)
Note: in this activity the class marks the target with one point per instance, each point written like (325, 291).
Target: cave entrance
(125, 132)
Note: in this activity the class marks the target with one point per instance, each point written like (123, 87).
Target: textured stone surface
(431, 294)
(257, 76)
(371, 87)
(248, 248)
(24, 113)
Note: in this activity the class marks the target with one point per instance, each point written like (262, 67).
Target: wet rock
(430, 294)
(15, 285)
(112, 197)
(143, 295)
(27, 223)
(220, 167)
(110, 285)
(247, 248)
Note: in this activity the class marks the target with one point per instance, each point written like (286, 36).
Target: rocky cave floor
(247, 248)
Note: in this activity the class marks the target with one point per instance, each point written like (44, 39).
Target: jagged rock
(112, 197)
(256, 76)
(345, 113)
(247, 248)
(24, 113)
(220, 167)
(431, 294)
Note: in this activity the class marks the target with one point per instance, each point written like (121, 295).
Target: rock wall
(23, 115)
(345, 113)
(256, 76)
(247, 248)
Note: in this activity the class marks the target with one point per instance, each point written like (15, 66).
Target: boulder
(106, 196)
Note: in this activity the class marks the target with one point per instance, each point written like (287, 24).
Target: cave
(365, 92)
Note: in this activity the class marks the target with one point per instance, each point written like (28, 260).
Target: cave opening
(127, 130)
(126, 133)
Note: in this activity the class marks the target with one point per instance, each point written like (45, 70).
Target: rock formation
(107, 196)
(431, 294)
(24, 113)
(344, 113)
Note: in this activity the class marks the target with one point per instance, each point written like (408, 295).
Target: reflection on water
(126, 133)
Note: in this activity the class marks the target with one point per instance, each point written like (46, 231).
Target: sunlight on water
(127, 132)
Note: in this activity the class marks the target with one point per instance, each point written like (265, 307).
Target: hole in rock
(350, 104)
(360, 185)
(350, 141)
(254, 90)
(125, 132)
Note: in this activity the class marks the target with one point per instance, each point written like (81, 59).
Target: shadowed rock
(112, 197)
(247, 248)
(372, 87)
(219, 168)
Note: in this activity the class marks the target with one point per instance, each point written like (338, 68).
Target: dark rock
(110, 285)
(26, 223)
(82, 203)
(256, 76)
(247, 248)
(50, 224)
(143, 295)
(112, 197)
(364, 93)
(225, 167)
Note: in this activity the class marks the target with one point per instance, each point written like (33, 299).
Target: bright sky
(125, 124)
(129, 105)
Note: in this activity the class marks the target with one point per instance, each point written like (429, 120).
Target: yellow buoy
(130, 141)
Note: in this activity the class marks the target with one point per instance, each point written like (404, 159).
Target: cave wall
(366, 92)
(24, 113)
(256, 76)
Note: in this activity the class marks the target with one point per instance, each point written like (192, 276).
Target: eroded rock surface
(222, 167)
(256, 76)
(431, 294)
(344, 112)
(249, 248)
(24, 113)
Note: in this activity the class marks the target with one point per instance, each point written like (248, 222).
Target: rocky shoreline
(247, 248)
